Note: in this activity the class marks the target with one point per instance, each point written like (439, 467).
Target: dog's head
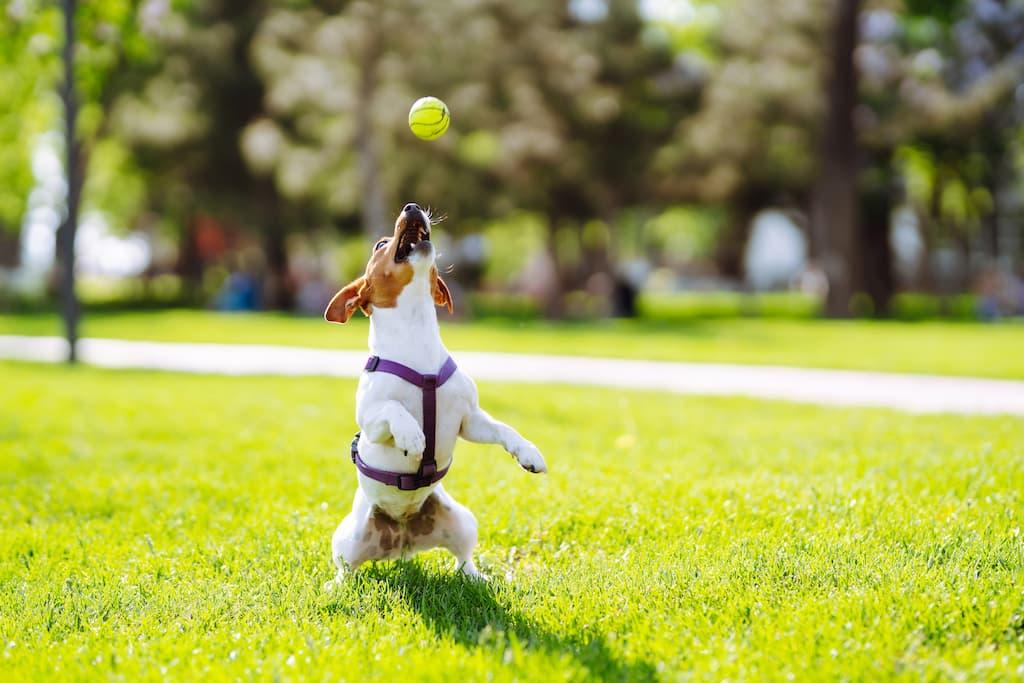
(397, 261)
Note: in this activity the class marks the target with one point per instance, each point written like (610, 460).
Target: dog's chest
(451, 402)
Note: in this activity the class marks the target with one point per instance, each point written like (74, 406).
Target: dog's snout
(410, 207)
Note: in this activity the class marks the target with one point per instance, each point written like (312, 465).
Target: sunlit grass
(984, 350)
(174, 526)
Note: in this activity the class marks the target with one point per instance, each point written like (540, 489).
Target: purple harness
(427, 473)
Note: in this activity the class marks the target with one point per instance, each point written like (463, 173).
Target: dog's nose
(411, 207)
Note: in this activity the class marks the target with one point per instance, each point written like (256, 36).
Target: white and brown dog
(411, 405)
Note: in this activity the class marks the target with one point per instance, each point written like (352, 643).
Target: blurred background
(606, 157)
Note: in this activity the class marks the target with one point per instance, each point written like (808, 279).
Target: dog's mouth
(415, 232)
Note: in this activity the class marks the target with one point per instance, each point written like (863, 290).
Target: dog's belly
(386, 536)
(398, 505)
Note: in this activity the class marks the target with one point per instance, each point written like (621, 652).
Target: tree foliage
(29, 37)
(287, 115)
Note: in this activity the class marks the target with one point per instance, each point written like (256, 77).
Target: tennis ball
(428, 118)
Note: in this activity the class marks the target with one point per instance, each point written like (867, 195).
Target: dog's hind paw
(338, 581)
(469, 570)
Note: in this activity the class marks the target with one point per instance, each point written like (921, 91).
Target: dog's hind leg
(457, 532)
(464, 542)
(349, 542)
(444, 523)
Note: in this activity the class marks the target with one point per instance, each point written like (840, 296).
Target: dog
(402, 450)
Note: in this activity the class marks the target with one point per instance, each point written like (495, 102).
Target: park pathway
(912, 393)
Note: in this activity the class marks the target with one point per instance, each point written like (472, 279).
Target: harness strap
(403, 481)
(427, 473)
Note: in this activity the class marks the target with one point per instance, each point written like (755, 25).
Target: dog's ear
(344, 304)
(442, 295)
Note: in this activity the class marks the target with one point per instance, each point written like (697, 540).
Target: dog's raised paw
(530, 459)
(410, 439)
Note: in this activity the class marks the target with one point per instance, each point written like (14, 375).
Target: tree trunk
(554, 301)
(990, 224)
(875, 274)
(931, 233)
(963, 241)
(374, 212)
(1000, 185)
(189, 266)
(70, 310)
(731, 245)
(278, 294)
(10, 246)
(834, 204)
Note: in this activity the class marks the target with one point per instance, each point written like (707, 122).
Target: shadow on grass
(472, 613)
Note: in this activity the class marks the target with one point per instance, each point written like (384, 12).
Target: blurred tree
(331, 71)
(552, 112)
(184, 124)
(939, 88)
(751, 144)
(907, 94)
(283, 114)
(103, 53)
(74, 174)
(340, 80)
(28, 36)
(784, 122)
(99, 41)
(85, 54)
(834, 206)
(584, 99)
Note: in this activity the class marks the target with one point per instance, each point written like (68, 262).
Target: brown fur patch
(382, 283)
(439, 290)
(381, 522)
(392, 534)
(385, 279)
(389, 531)
(379, 287)
(345, 302)
(422, 523)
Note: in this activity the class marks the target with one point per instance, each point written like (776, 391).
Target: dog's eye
(379, 245)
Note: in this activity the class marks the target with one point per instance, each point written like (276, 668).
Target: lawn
(947, 348)
(175, 526)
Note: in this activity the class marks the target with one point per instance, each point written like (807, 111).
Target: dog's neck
(408, 333)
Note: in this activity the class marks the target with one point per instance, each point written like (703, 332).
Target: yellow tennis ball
(428, 118)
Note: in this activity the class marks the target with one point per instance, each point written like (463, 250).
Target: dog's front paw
(530, 458)
(409, 437)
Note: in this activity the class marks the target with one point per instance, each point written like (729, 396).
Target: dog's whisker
(435, 218)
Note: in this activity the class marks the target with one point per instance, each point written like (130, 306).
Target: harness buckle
(408, 482)
(428, 470)
(372, 363)
(354, 450)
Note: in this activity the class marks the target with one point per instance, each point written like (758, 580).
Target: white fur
(389, 412)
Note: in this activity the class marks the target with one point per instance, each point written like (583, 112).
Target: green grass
(947, 348)
(174, 526)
